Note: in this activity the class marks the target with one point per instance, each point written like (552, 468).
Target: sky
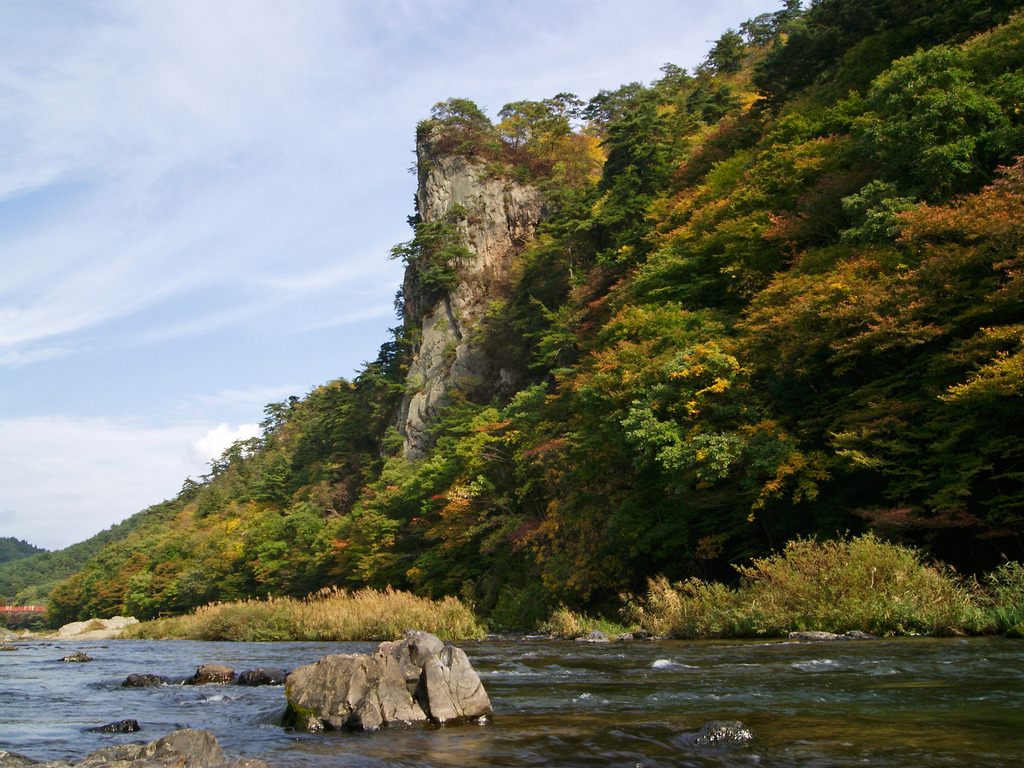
(198, 199)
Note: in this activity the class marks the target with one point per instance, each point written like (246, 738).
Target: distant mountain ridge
(14, 549)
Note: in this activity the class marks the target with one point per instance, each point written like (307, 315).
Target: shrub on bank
(1005, 598)
(568, 624)
(834, 586)
(329, 615)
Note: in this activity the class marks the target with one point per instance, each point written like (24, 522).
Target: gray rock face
(450, 688)
(401, 682)
(501, 218)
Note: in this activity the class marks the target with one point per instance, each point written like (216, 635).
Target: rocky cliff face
(500, 217)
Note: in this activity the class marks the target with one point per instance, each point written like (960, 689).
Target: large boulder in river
(450, 689)
(409, 681)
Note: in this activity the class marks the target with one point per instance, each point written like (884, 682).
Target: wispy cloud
(258, 396)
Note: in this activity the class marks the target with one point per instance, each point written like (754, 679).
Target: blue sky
(198, 197)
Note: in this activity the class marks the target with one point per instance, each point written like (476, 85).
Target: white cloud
(213, 444)
(64, 479)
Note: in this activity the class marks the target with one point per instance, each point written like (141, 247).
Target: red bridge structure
(22, 608)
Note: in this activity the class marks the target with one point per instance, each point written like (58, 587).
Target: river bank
(861, 584)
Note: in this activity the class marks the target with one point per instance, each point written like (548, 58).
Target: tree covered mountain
(779, 296)
(13, 549)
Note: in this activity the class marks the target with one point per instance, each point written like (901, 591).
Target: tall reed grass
(1005, 598)
(835, 586)
(329, 615)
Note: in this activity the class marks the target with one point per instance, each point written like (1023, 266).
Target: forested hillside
(779, 296)
(13, 549)
(29, 579)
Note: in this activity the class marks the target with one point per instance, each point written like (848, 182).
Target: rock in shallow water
(262, 676)
(450, 689)
(144, 680)
(410, 681)
(211, 673)
(818, 636)
(121, 726)
(78, 656)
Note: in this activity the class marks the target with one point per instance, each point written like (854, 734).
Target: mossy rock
(300, 718)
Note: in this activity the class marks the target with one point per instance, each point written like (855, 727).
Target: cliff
(496, 218)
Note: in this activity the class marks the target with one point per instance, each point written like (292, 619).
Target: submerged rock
(410, 681)
(143, 680)
(7, 647)
(721, 732)
(122, 726)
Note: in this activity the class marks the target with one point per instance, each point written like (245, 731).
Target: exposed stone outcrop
(501, 218)
(411, 681)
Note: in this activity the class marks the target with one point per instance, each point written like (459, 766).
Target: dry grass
(565, 623)
(837, 586)
(329, 615)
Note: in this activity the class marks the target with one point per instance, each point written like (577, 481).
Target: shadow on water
(907, 703)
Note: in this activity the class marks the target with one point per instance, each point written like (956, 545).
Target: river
(908, 703)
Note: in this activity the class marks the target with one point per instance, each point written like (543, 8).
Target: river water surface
(911, 703)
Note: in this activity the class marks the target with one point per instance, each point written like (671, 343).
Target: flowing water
(910, 703)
